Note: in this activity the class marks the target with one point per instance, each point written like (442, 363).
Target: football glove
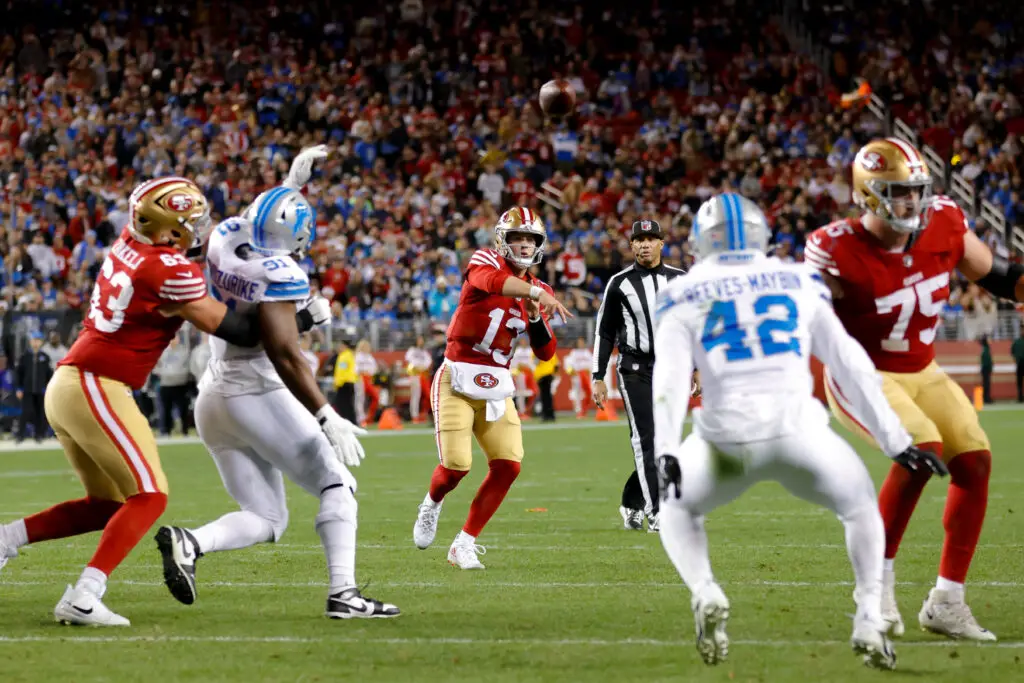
(916, 459)
(343, 436)
(319, 310)
(302, 167)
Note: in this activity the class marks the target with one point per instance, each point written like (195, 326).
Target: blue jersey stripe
(741, 234)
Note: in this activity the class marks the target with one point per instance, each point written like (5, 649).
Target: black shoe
(180, 553)
(350, 604)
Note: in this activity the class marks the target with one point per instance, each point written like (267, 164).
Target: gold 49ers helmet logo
(873, 162)
(486, 380)
(180, 203)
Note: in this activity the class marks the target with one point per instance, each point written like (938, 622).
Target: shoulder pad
(486, 258)
(286, 280)
(821, 246)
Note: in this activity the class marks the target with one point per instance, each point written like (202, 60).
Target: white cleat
(710, 614)
(870, 641)
(7, 553)
(653, 526)
(425, 528)
(632, 520)
(82, 608)
(945, 615)
(466, 555)
(890, 612)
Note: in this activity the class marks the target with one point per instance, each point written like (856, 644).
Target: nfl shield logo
(645, 226)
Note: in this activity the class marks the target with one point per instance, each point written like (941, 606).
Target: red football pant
(966, 503)
(500, 476)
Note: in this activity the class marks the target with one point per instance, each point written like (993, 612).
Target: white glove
(302, 166)
(319, 308)
(342, 435)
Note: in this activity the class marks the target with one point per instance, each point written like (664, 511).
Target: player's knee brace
(337, 504)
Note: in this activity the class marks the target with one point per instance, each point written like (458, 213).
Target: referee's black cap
(643, 228)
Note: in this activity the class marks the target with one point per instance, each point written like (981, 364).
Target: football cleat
(350, 604)
(632, 520)
(890, 612)
(180, 553)
(425, 528)
(710, 614)
(82, 608)
(652, 524)
(466, 555)
(870, 641)
(945, 615)
(6, 553)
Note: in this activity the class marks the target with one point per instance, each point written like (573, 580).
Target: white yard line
(505, 584)
(531, 642)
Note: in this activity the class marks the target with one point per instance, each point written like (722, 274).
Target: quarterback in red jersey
(890, 272)
(145, 289)
(471, 394)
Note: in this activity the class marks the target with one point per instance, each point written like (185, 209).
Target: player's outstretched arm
(280, 336)
(673, 359)
(857, 379)
(992, 272)
(213, 317)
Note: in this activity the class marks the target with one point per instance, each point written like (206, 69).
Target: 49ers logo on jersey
(874, 162)
(485, 380)
(180, 203)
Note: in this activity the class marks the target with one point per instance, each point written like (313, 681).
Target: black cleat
(180, 552)
(350, 604)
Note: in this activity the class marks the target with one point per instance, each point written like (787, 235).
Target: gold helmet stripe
(147, 187)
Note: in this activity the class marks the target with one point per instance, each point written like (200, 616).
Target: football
(557, 98)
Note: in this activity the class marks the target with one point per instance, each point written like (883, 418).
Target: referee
(626, 318)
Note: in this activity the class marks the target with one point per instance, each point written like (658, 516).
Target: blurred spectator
(32, 375)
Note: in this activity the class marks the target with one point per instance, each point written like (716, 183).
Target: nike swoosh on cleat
(86, 612)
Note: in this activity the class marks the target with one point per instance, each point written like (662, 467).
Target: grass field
(567, 595)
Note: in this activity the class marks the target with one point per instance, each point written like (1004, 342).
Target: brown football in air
(557, 98)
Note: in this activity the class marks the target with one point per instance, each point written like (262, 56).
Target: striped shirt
(626, 315)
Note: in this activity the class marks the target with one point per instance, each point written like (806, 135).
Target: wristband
(325, 410)
(535, 292)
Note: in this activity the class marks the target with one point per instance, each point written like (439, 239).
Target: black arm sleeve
(240, 330)
(244, 330)
(609, 320)
(539, 333)
(1002, 279)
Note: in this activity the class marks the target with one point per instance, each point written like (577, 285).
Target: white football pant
(816, 465)
(258, 439)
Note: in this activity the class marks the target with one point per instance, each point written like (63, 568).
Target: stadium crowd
(429, 111)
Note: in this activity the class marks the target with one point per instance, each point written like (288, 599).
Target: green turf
(567, 594)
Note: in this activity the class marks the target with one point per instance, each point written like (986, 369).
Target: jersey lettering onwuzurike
(892, 301)
(243, 278)
(124, 333)
(485, 326)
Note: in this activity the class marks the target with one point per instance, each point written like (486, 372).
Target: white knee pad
(337, 504)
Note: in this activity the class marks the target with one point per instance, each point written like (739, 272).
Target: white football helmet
(729, 223)
(282, 222)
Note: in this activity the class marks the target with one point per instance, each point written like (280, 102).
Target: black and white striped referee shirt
(626, 315)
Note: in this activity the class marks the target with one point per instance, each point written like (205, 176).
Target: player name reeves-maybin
(733, 286)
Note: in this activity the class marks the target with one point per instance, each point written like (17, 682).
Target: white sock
(686, 543)
(464, 539)
(427, 500)
(338, 537)
(889, 564)
(93, 581)
(953, 589)
(865, 545)
(233, 531)
(14, 534)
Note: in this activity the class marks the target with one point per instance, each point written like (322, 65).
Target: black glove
(916, 459)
